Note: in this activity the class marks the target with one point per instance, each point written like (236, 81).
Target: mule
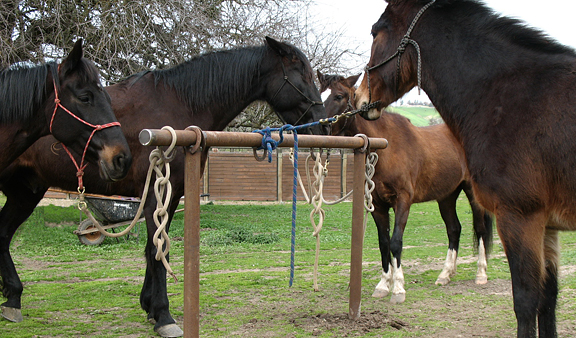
(420, 164)
(207, 91)
(508, 94)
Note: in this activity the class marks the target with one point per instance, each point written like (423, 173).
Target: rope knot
(99, 127)
(57, 101)
(80, 173)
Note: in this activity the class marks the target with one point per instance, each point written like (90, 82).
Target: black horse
(508, 94)
(67, 101)
(207, 91)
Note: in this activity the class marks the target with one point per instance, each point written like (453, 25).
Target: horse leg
(483, 233)
(523, 238)
(547, 307)
(401, 212)
(154, 294)
(447, 208)
(382, 219)
(20, 204)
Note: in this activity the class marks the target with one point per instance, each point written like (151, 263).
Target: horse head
(291, 90)
(82, 119)
(339, 101)
(394, 66)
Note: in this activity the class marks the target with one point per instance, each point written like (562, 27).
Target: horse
(508, 94)
(420, 164)
(207, 91)
(67, 101)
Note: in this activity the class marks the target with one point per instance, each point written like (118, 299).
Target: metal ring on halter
(366, 145)
(200, 140)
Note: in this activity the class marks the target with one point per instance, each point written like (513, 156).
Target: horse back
(427, 163)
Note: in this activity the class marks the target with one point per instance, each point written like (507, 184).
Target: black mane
(23, 90)
(223, 74)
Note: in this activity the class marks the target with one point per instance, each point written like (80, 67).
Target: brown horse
(508, 94)
(67, 101)
(420, 164)
(207, 91)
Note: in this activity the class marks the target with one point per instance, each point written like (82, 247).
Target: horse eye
(339, 97)
(84, 98)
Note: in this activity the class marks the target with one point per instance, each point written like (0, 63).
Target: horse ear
(323, 83)
(351, 81)
(281, 48)
(73, 59)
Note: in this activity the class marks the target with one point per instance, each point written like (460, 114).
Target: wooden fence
(238, 176)
(235, 175)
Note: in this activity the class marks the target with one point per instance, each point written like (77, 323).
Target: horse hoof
(170, 330)
(380, 293)
(481, 280)
(12, 314)
(398, 298)
(442, 281)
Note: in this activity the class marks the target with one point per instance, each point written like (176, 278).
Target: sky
(556, 18)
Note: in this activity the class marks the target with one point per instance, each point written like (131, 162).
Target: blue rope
(270, 144)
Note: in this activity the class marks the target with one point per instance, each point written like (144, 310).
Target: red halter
(80, 168)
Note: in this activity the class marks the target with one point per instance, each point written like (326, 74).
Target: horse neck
(459, 80)
(228, 84)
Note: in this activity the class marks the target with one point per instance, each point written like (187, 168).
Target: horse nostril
(122, 162)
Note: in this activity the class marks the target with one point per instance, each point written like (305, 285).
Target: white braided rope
(163, 193)
(320, 172)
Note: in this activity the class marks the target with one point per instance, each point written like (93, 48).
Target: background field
(72, 290)
(419, 115)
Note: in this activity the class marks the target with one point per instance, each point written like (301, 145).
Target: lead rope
(316, 189)
(158, 159)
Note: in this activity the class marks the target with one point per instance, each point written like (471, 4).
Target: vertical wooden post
(192, 245)
(357, 235)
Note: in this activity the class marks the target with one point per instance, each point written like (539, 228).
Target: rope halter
(287, 81)
(404, 42)
(79, 168)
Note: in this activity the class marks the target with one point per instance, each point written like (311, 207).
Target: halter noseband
(80, 168)
(406, 40)
(287, 80)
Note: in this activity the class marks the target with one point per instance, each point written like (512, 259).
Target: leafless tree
(128, 36)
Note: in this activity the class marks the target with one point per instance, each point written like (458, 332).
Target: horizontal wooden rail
(159, 137)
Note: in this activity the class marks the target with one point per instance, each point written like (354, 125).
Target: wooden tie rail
(195, 139)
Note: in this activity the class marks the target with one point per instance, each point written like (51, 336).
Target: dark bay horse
(67, 101)
(508, 94)
(420, 164)
(207, 91)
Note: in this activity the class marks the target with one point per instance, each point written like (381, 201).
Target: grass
(419, 116)
(73, 290)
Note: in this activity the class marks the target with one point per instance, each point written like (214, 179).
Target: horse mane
(512, 30)
(224, 75)
(22, 90)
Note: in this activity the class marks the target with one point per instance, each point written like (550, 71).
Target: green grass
(419, 116)
(73, 290)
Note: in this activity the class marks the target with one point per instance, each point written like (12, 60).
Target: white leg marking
(398, 292)
(383, 287)
(481, 275)
(449, 268)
